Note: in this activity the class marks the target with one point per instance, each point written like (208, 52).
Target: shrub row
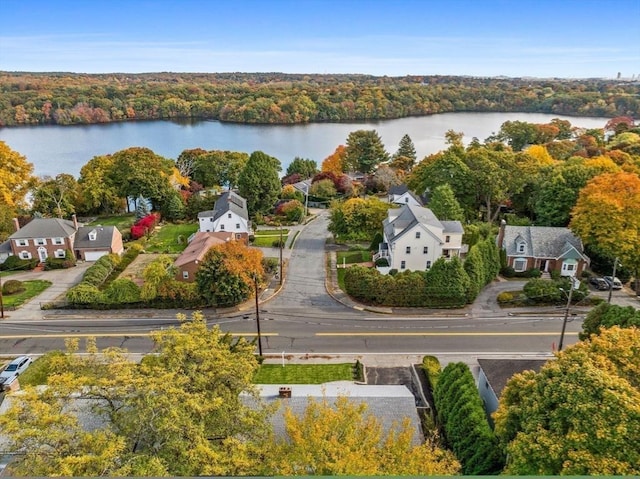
(432, 368)
(550, 291)
(102, 274)
(447, 284)
(509, 272)
(462, 418)
(14, 263)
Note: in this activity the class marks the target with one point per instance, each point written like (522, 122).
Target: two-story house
(229, 215)
(42, 238)
(401, 195)
(413, 238)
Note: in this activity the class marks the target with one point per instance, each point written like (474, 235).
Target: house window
(520, 264)
(22, 242)
(406, 199)
(185, 275)
(59, 253)
(238, 236)
(93, 234)
(417, 234)
(521, 247)
(428, 264)
(403, 264)
(222, 227)
(211, 219)
(237, 226)
(408, 250)
(41, 242)
(425, 250)
(25, 255)
(447, 239)
(229, 215)
(57, 241)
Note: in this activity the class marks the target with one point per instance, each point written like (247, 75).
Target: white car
(14, 369)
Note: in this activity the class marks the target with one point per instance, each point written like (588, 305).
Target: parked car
(14, 369)
(599, 283)
(614, 283)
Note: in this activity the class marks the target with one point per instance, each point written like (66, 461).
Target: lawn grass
(171, 238)
(341, 273)
(266, 238)
(32, 289)
(356, 256)
(121, 222)
(275, 232)
(304, 373)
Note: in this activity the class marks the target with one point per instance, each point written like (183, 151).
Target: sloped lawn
(32, 288)
(171, 238)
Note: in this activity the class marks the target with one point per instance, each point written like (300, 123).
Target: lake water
(65, 149)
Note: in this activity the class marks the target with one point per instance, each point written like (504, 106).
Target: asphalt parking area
(411, 377)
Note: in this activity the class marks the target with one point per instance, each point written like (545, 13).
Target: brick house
(42, 238)
(188, 262)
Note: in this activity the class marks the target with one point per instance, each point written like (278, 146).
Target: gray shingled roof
(499, 371)
(412, 215)
(5, 247)
(45, 228)
(541, 241)
(390, 404)
(398, 189)
(228, 201)
(104, 237)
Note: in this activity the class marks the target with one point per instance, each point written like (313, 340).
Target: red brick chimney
(75, 222)
(16, 224)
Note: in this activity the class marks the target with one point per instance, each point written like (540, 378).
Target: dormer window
(521, 246)
(93, 235)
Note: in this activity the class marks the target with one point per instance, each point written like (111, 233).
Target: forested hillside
(68, 98)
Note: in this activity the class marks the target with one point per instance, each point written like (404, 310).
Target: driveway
(61, 279)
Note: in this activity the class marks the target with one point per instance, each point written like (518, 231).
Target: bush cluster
(12, 286)
(447, 284)
(432, 368)
(509, 272)
(14, 263)
(550, 291)
(144, 226)
(69, 261)
(463, 420)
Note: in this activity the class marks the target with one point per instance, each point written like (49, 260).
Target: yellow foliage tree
(15, 176)
(342, 439)
(335, 161)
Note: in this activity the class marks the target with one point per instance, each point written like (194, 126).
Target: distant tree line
(277, 98)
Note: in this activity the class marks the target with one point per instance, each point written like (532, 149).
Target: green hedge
(447, 284)
(14, 263)
(464, 423)
(432, 369)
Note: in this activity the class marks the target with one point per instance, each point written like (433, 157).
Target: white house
(229, 215)
(413, 238)
(401, 195)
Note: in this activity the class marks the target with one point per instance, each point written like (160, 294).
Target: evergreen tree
(259, 182)
(364, 151)
(444, 205)
(406, 149)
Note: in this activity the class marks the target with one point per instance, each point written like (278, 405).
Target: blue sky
(542, 38)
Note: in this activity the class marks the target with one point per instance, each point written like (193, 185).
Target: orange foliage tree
(607, 216)
(227, 273)
(335, 161)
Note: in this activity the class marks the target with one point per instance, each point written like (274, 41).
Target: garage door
(93, 255)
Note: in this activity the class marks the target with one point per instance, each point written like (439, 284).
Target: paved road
(303, 318)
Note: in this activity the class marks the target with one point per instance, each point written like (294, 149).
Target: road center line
(105, 335)
(443, 334)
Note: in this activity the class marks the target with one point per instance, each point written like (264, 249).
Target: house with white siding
(229, 215)
(413, 238)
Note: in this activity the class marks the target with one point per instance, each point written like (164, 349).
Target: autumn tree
(340, 438)
(15, 176)
(335, 162)
(579, 414)
(259, 182)
(227, 273)
(607, 216)
(364, 151)
(140, 172)
(357, 218)
(180, 412)
(97, 193)
(55, 196)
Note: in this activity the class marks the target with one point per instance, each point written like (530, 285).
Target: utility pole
(615, 264)
(566, 317)
(281, 246)
(255, 283)
(1, 301)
